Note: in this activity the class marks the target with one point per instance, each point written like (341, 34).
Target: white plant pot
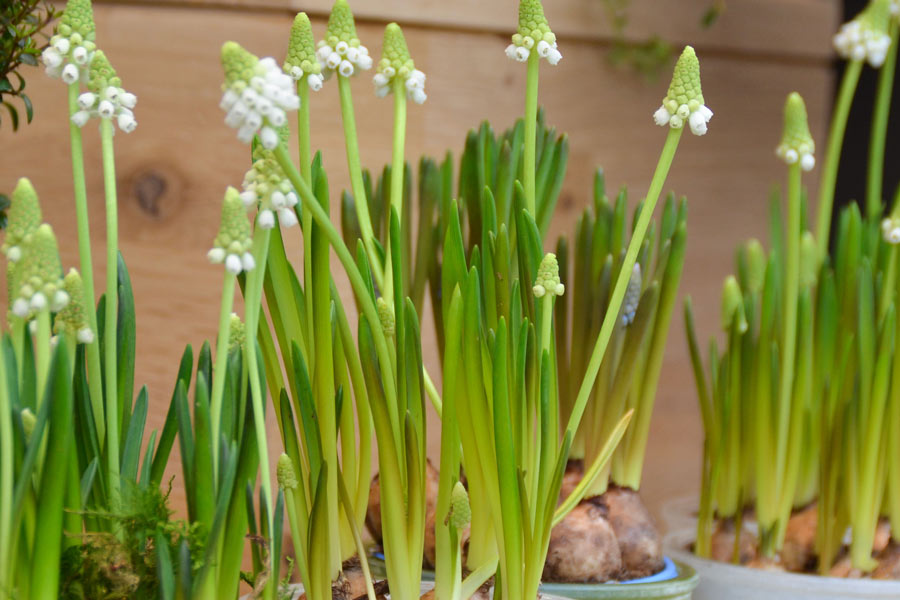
(721, 581)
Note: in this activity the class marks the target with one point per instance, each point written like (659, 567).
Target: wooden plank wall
(173, 170)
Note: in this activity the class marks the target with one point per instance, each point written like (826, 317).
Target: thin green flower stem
(17, 330)
(360, 200)
(294, 524)
(112, 301)
(6, 478)
(305, 145)
(220, 367)
(42, 351)
(530, 155)
(397, 166)
(880, 114)
(789, 333)
(833, 156)
(356, 279)
(252, 305)
(432, 392)
(618, 294)
(95, 379)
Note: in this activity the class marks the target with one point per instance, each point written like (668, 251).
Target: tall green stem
(42, 351)
(6, 477)
(530, 158)
(397, 176)
(833, 156)
(95, 380)
(305, 146)
(618, 294)
(218, 382)
(360, 200)
(112, 301)
(879, 128)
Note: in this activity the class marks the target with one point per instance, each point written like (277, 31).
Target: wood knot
(155, 191)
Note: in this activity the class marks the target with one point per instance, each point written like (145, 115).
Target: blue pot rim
(668, 572)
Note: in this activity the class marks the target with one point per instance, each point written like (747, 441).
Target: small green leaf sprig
(684, 102)
(396, 65)
(341, 51)
(106, 98)
(301, 58)
(68, 57)
(534, 34)
(866, 36)
(256, 95)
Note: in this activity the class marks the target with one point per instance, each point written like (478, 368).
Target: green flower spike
(733, 305)
(266, 184)
(534, 34)
(396, 63)
(386, 315)
(547, 279)
(341, 50)
(72, 46)
(40, 275)
(23, 220)
(301, 57)
(257, 95)
(29, 420)
(866, 36)
(287, 477)
(684, 102)
(796, 142)
(632, 295)
(756, 265)
(236, 333)
(106, 98)
(460, 510)
(73, 319)
(233, 242)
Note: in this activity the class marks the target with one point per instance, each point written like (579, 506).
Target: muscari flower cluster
(397, 65)
(632, 296)
(71, 48)
(73, 319)
(534, 34)
(796, 143)
(684, 101)
(256, 95)
(38, 283)
(341, 50)
(23, 219)
(890, 230)
(106, 97)
(301, 58)
(233, 242)
(547, 279)
(866, 36)
(266, 185)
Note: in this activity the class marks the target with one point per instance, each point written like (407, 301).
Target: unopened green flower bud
(733, 305)
(809, 260)
(301, 57)
(460, 511)
(23, 219)
(396, 66)
(632, 295)
(287, 477)
(236, 333)
(73, 319)
(796, 142)
(386, 315)
(233, 242)
(866, 36)
(684, 103)
(102, 74)
(341, 51)
(40, 285)
(755, 258)
(533, 35)
(28, 422)
(547, 279)
(77, 18)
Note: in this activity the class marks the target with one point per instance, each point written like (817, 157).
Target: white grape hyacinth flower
(344, 58)
(866, 36)
(257, 96)
(890, 230)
